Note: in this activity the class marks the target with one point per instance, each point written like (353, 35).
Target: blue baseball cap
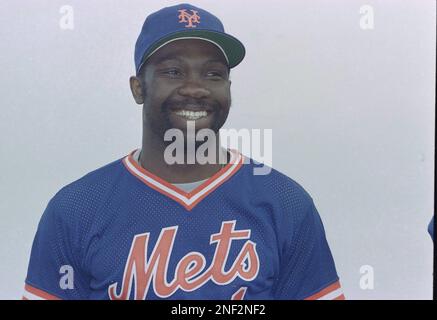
(185, 21)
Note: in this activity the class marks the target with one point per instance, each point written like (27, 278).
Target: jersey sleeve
(307, 269)
(55, 271)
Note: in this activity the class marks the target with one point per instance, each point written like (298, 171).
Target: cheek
(227, 99)
(155, 96)
(223, 95)
(228, 92)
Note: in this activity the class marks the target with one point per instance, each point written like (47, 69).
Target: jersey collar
(187, 199)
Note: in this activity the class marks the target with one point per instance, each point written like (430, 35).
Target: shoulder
(282, 189)
(79, 199)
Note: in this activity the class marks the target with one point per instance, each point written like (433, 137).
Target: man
(142, 228)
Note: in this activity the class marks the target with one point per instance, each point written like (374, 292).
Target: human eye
(215, 75)
(172, 72)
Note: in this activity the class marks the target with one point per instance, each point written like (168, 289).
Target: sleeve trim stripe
(332, 295)
(32, 293)
(332, 291)
(29, 296)
(342, 297)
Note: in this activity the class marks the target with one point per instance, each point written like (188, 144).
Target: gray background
(352, 113)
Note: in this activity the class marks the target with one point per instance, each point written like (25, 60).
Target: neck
(152, 159)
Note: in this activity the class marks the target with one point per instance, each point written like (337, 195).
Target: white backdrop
(352, 113)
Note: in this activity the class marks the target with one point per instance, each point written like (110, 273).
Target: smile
(192, 115)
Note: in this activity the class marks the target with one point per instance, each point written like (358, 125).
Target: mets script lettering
(191, 272)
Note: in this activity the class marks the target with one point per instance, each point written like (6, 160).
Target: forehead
(188, 49)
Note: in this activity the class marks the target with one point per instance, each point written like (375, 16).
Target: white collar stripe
(216, 181)
(153, 181)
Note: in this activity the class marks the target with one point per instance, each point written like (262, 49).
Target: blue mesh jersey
(121, 232)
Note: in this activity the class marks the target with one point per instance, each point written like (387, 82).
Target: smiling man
(141, 228)
(184, 81)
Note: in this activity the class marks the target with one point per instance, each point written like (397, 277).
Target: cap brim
(232, 47)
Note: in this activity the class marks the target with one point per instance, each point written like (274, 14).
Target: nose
(194, 90)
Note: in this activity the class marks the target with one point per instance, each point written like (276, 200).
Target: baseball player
(140, 228)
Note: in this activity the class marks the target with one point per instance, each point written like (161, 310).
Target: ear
(137, 89)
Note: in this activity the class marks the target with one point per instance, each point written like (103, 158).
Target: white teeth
(192, 115)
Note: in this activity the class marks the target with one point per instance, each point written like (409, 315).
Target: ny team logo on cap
(185, 17)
